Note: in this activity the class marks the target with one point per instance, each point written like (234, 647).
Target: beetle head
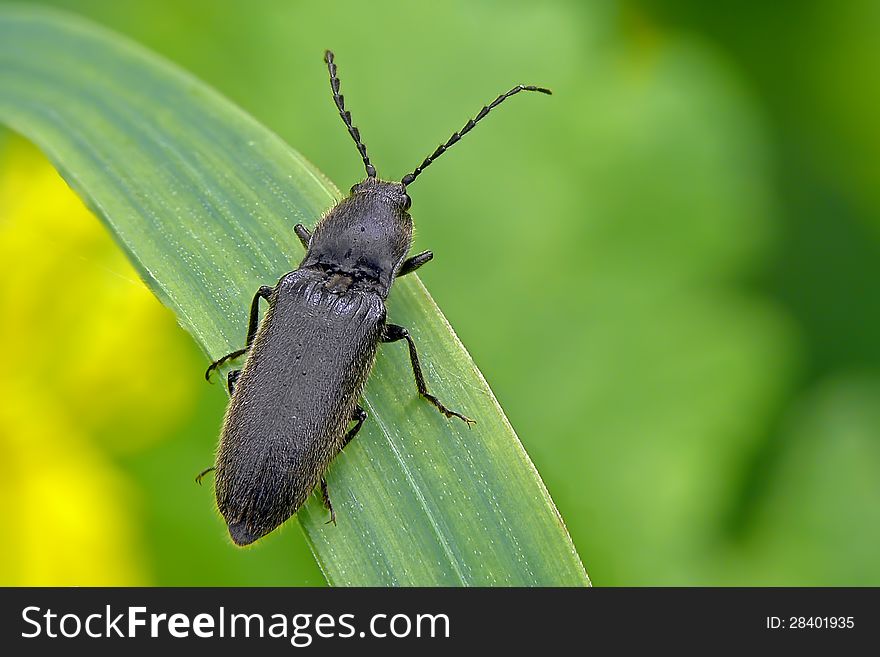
(394, 192)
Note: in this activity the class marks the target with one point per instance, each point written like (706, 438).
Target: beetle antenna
(346, 115)
(408, 178)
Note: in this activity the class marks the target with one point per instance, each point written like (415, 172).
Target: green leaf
(203, 200)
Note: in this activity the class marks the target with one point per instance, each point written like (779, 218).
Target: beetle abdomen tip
(241, 534)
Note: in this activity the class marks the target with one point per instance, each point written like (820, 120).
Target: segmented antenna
(408, 178)
(346, 115)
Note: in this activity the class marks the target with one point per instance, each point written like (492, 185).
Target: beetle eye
(407, 201)
(353, 187)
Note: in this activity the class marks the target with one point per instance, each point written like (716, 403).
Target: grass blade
(203, 200)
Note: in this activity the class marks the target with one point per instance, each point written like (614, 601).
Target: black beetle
(308, 360)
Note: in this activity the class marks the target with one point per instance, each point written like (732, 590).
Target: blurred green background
(669, 272)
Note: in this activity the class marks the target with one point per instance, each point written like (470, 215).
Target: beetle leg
(264, 292)
(325, 496)
(203, 473)
(358, 416)
(217, 363)
(303, 234)
(393, 333)
(231, 380)
(411, 264)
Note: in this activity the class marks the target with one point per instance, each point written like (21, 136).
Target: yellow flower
(94, 367)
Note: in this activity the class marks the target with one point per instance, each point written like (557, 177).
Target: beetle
(293, 402)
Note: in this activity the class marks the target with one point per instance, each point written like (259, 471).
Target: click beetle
(293, 402)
